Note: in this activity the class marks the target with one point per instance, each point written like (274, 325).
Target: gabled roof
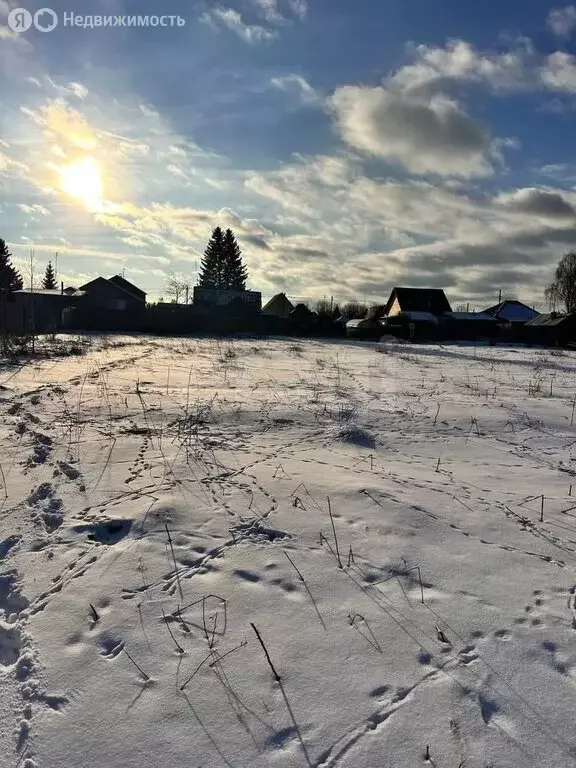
(301, 312)
(419, 300)
(552, 319)
(278, 305)
(102, 281)
(128, 286)
(512, 310)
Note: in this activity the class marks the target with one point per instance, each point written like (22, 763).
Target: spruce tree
(235, 273)
(49, 280)
(10, 278)
(213, 261)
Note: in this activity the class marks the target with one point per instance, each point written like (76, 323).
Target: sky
(351, 147)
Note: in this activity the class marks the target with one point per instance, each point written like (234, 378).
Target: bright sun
(83, 181)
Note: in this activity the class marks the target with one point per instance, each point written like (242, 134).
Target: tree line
(222, 268)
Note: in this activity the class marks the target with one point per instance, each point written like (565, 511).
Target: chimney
(62, 288)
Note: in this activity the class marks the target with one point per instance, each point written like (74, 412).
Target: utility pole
(500, 296)
(56, 266)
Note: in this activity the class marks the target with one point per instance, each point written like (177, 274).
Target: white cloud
(559, 72)
(299, 86)
(299, 7)
(562, 21)
(413, 230)
(34, 209)
(7, 34)
(544, 203)
(269, 10)
(425, 135)
(435, 67)
(438, 69)
(250, 33)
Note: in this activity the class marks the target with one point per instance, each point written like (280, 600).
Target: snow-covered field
(159, 496)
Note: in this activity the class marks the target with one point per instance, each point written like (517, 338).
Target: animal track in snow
(70, 472)
(47, 507)
(8, 544)
(253, 578)
(11, 600)
(106, 531)
(42, 448)
(10, 645)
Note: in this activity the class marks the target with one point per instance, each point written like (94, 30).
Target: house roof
(128, 286)
(431, 300)
(52, 292)
(553, 319)
(301, 312)
(512, 310)
(470, 316)
(99, 281)
(279, 304)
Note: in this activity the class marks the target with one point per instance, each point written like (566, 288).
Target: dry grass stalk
(335, 535)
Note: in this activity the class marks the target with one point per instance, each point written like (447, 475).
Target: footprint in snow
(110, 646)
(253, 578)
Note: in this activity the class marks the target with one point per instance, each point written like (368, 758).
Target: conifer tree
(235, 273)
(213, 262)
(10, 278)
(49, 280)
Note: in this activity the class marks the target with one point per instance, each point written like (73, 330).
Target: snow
(434, 460)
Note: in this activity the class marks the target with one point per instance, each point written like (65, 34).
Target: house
(512, 311)
(552, 330)
(279, 306)
(303, 321)
(469, 326)
(216, 297)
(116, 295)
(431, 301)
(107, 305)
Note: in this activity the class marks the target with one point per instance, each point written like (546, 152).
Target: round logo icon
(19, 20)
(45, 20)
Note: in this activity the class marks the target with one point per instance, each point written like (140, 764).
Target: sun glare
(82, 180)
